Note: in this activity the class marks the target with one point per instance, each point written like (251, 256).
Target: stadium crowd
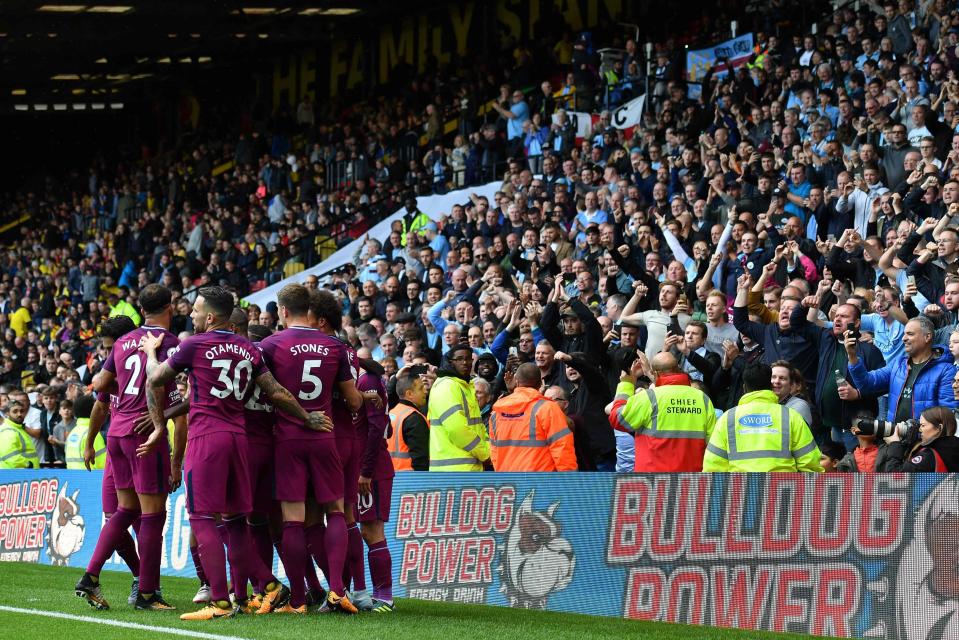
(787, 238)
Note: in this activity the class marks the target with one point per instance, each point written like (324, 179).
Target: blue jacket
(933, 387)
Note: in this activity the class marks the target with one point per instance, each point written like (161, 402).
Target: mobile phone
(854, 334)
(742, 262)
(831, 237)
(513, 351)
(911, 280)
(569, 278)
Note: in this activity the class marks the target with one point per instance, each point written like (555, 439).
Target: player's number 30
(234, 385)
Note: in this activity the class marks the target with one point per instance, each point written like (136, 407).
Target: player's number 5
(234, 385)
(308, 377)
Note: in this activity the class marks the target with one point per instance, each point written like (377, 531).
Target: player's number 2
(133, 384)
(309, 378)
(234, 386)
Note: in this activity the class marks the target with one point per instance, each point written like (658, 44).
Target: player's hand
(89, 457)
(366, 486)
(176, 475)
(144, 449)
(150, 343)
(319, 421)
(373, 398)
(143, 424)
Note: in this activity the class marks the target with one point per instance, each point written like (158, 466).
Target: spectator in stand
(919, 379)
(852, 128)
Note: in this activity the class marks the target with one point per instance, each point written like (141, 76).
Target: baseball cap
(592, 228)
(779, 193)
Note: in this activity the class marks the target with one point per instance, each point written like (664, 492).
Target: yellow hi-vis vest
(761, 435)
(16, 448)
(77, 440)
(458, 438)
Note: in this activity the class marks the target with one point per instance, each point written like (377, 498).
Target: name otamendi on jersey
(227, 347)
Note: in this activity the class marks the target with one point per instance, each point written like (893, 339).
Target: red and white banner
(625, 117)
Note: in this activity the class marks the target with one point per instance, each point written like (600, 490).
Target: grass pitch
(50, 590)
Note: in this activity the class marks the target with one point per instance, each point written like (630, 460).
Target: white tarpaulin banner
(433, 206)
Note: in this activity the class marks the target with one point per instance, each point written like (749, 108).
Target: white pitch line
(118, 623)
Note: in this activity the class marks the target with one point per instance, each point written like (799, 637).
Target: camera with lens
(908, 430)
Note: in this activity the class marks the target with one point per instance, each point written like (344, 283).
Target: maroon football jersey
(222, 368)
(129, 365)
(374, 428)
(310, 364)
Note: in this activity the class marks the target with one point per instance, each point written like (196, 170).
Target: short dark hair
(699, 325)
(296, 299)
(833, 450)
(404, 384)
(117, 327)
(239, 319)
(757, 377)
(324, 305)
(154, 298)
(218, 301)
(257, 332)
(83, 406)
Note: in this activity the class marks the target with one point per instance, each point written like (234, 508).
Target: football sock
(201, 576)
(236, 535)
(354, 558)
(312, 581)
(294, 560)
(335, 543)
(127, 549)
(315, 536)
(260, 533)
(212, 555)
(151, 548)
(381, 571)
(221, 529)
(110, 536)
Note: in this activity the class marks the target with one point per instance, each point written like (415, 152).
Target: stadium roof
(62, 50)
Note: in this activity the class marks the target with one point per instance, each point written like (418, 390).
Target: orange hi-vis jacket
(399, 450)
(529, 432)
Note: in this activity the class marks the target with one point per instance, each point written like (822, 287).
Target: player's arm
(105, 380)
(179, 448)
(283, 400)
(159, 375)
(177, 410)
(351, 395)
(378, 423)
(98, 416)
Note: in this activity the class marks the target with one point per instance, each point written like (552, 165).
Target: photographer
(870, 454)
(936, 447)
